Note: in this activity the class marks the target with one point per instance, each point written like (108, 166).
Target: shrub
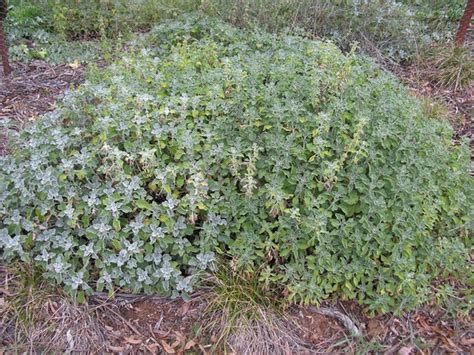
(315, 171)
(391, 29)
(394, 29)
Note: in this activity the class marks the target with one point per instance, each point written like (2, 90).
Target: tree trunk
(3, 45)
(4, 52)
(464, 23)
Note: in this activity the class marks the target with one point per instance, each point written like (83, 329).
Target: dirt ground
(130, 324)
(169, 326)
(33, 89)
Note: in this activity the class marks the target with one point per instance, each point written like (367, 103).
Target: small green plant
(279, 152)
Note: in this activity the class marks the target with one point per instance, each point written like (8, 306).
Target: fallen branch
(345, 320)
(132, 298)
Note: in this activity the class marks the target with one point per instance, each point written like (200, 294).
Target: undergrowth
(68, 30)
(316, 168)
(246, 319)
(38, 317)
(399, 30)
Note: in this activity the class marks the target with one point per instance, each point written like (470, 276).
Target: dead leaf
(374, 328)
(467, 342)
(184, 308)
(424, 325)
(132, 340)
(161, 333)
(74, 65)
(203, 350)
(176, 344)
(153, 347)
(115, 349)
(190, 344)
(167, 347)
(450, 344)
(179, 336)
(405, 350)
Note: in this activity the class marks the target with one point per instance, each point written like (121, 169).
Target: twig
(129, 297)
(126, 322)
(348, 323)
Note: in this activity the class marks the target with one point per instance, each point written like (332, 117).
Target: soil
(32, 90)
(174, 326)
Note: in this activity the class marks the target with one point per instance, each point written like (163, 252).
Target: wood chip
(132, 340)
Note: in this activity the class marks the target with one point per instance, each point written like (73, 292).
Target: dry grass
(243, 319)
(36, 317)
(449, 67)
(234, 313)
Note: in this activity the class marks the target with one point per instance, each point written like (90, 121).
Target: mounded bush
(276, 155)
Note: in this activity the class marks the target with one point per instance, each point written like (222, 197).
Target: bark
(4, 52)
(464, 23)
(3, 9)
(3, 45)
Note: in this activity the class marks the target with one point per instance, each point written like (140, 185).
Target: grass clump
(316, 168)
(449, 67)
(244, 318)
(39, 317)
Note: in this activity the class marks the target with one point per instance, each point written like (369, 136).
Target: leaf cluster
(315, 170)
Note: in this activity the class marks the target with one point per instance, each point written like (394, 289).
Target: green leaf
(85, 220)
(81, 297)
(116, 244)
(143, 204)
(116, 224)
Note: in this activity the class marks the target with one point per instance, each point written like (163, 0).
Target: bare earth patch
(33, 89)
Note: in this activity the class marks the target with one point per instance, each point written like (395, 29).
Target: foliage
(389, 28)
(68, 30)
(397, 29)
(31, 36)
(276, 152)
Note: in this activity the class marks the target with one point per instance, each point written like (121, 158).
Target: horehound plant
(205, 140)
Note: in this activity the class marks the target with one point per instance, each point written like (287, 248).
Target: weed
(329, 183)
